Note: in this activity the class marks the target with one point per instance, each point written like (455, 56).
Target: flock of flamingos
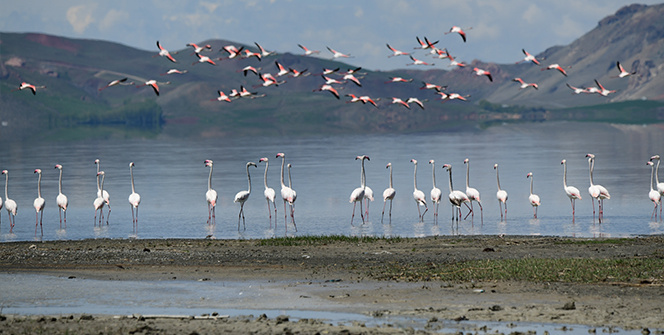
(363, 193)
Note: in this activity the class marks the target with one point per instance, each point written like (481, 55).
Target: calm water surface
(172, 181)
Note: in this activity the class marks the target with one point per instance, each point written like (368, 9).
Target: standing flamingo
(211, 196)
(61, 199)
(501, 195)
(654, 195)
(269, 194)
(571, 191)
(134, 199)
(99, 202)
(473, 194)
(596, 191)
(388, 194)
(660, 186)
(287, 193)
(103, 193)
(358, 194)
(420, 198)
(534, 199)
(436, 193)
(39, 204)
(10, 204)
(242, 197)
(456, 197)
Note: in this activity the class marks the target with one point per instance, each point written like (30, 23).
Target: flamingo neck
(210, 179)
(98, 187)
(497, 179)
(391, 176)
(564, 175)
(131, 171)
(60, 182)
(249, 179)
(450, 171)
(531, 185)
(433, 174)
(39, 185)
(102, 184)
(415, 178)
(657, 173)
(467, 174)
(652, 172)
(590, 169)
(290, 185)
(363, 181)
(283, 161)
(6, 185)
(265, 175)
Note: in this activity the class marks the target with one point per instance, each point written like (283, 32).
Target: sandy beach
(375, 277)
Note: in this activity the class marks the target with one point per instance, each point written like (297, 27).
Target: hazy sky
(500, 29)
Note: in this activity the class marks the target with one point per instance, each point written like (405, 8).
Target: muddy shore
(350, 276)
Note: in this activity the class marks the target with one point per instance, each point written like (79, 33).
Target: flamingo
(222, 97)
(352, 78)
(415, 101)
(269, 193)
(442, 54)
(660, 186)
(436, 193)
(528, 58)
(203, 59)
(576, 90)
(457, 96)
(164, 53)
(501, 195)
(308, 52)
(456, 197)
(10, 204)
(571, 191)
(399, 101)
(472, 193)
(654, 195)
(134, 199)
(297, 73)
(281, 68)
(429, 86)
(211, 195)
(388, 194)
(263, 52)
(39, 205)
(534, 199)
(596, 191)
(420, 198)
(172, 71)
(418, 62)
(154, 84)
(99, 202)
(290, 184)
(268, 80)
(328, 88)
(242, 197)
(232, 51)
(244, 93)
(555, 67)
(460, 31)
(524, 84)
(330, 81)
(358, 193)
(248, 69)
(367, 99)
(398, 80)
(603, 91)
(480, 72)
(103, 193)
(337, 54)
(248, 54)
(61, 199)
(199, 49)
(31, 87)
(122, 81)
(0, 211)
(454, 62)
(623, 73)
(396, 52)
(287, 193)
(425, 44)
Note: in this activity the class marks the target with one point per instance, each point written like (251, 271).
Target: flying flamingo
(388, 194)
(555, 67)
(232, 51)
(534, 199)
(263, 52)
(358, 193)
(308, 52)
(242, 197)
(171, 71)
(415, 101)
(399, 101)
(418, 62)
(457, 96)
(460, 31)
(328, 88)
(472, 193)
(528, 58)
(337, 54)
(576, 90)
(398, 80)
(501, 195)
(596, 191)
(660, 186)
(367, 99)
(287, 193)
(211, 195)
(396, 52)
(436, 193)
(623, 73)
(10, 204)
(297, 73)
(122, 81)
(31, 87)
(603, 91)
(103, 193)
(269, 193)
(134, 199)
(164, 53)
(61, 199)
(454, 62)
(248, 54)
(154, 84)
(203, 59)
(420, 198)
(429, 86)
(524, 84)
(248, 69)
(199, 49)
(654, 195)
(425, 44)
(480, 72)
(456, 197)
(99, 202)
(352, 78)
(39, 205)
(222, 97)
(281, 68)
(571, 191)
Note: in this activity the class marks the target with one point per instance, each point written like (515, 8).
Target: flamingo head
(58, 166)
(97, 161)
(263, 159)
(281, 154)
(388, 165)
(431, 161)
(363, 157)
(448, 167)
(208, 162)
(101, 173)
(38, 171)
(530, 174)
(495, 166)
(251, 164)
(465, 161)
(563, 161)
(650, 163)
(4, 172)
(131, 164)
(414, 161)
(656, 157)
(591, 156)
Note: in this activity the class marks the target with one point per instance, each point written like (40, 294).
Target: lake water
(172, 180)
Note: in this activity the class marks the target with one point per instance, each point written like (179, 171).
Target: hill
(73, 70)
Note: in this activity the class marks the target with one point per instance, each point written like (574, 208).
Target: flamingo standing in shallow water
(269, 194)
(501, 195)
(420, 198)
(654, 195)
(134, 199)
(10, 204)
(472, 193)
(99, 202)
(358, 193)
(436, 193)
(103, 193)
(571, 191)
(388, 194)
(39, 205)
(61, 199)
(596, 191)
(534, 199)
(242, 197)
(287, 194)
(456, 197)
(659, 186)
(211, 196)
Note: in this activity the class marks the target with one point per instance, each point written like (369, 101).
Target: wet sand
(346, 276)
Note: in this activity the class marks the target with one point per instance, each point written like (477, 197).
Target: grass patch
(596, 241)
(326, 239)
(571, 270)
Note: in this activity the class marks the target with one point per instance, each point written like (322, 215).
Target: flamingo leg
(293, 216)
(353, 216)
(500, 207)
(383, 215)
(60, 212)
(269, 211)
(391, 211)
